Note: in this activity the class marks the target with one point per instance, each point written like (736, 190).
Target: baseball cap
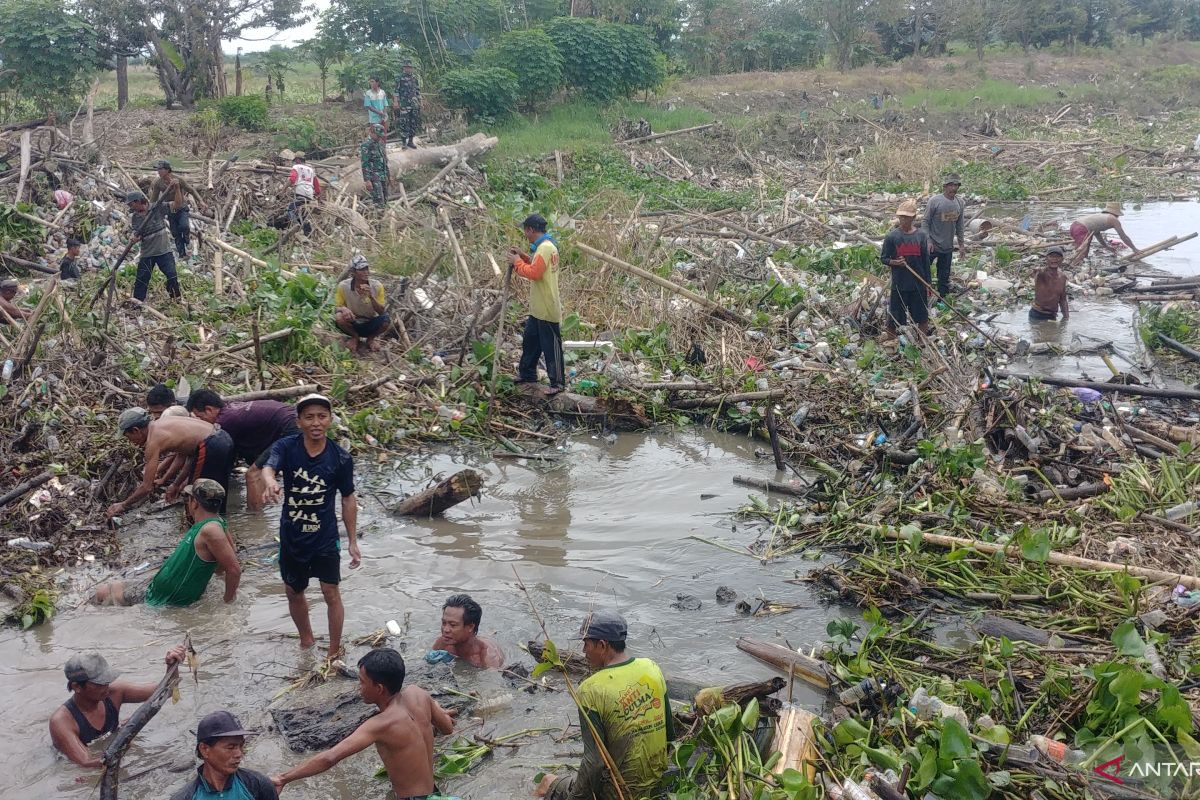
(1056, 250)
(134, 417)
(134, 197)
(309, 399)
(206, 491)
(605, 625)
(952, 177)
(359, 262)
(218, 724)
(90, 668)
(163, 164)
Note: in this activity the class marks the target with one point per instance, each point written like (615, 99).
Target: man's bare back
(177, 435)
(404, 741)
(428, 715)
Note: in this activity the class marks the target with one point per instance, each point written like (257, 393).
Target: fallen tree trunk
(1179, 347)
(124, 735)
(447, 493)
(1001, 627)
(725, 399)
(1115, 388)
(21, 489)
(812, 671)
(1059, 559)
(771, 486)
(401, 161)
(616, 413)
(20, 262)
(285, 393)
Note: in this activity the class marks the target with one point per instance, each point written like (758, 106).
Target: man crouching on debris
(1050, 289)
(210, 448)
(542, 337)
(402, 731)
(360, 307)
(906, 251)
(624, 708)
(94, 708)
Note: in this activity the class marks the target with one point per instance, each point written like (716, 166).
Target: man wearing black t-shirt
(313, 470)
(906, 251)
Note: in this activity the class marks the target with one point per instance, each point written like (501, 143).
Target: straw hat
(1114, 209)
(907, 209)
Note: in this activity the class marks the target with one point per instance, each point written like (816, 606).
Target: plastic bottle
(925, 706)
(861, 691)
(9, 366)
(902, 400)
(393, 627)
(1057, 751)
(1181, 510)
(800, 416)
(856, 791)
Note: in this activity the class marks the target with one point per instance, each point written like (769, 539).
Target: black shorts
(371, 327)
(908, 303)
(214, 459)
(260, 460)
(326, 568)
(1037, 315)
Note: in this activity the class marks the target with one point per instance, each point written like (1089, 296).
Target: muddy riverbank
(608, 525)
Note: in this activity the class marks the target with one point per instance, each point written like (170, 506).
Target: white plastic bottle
(1057, 751)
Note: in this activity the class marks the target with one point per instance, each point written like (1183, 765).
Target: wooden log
(401, 161)
(20, 262)
(778, 487)
(677, 386)
(675, 288)
(26, 157)
(773, 432)
(572, 660)
(656, 136)
(285, 393)
(724, 399)
(282, 333)
(1058, 559)
(1165, 244)
(1114, 388)
(1149, 438)
(795, 741)
(1001, 627)
(1071, 493)
(21, 489)
(812, 671)
(1178, 346)
(126, 733)
(445, 494)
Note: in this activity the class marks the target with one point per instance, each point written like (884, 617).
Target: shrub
(532, 57)
(385, 63)
(605, 60)
(206, 126)
(310, 134)
(248, 112)
(487, 94)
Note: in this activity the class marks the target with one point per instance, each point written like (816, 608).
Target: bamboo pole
(630, 269)
(1058, 559)
(656, 136)
(218, 267)
(1115, 388)
(1165, 244)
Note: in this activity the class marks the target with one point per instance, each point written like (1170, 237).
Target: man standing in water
(1050, 289)
(1091, 227)
(906, 251)
(402, 731)
(221, 745)
(623, 704)
(460, 634)
(542, 337)
(943, 223)
(93, 709)
(210, 448)
(314, 470)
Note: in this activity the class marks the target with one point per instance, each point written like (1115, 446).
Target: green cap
(207, 492)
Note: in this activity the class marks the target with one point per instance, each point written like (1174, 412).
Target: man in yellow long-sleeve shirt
(542, 337)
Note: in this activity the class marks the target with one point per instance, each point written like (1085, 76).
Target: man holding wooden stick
(906, 251)
(542, 337)
(1090, 228)
(154, 237)
(93, 710)
(624, 705)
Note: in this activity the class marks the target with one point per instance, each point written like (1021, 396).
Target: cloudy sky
(263, 38)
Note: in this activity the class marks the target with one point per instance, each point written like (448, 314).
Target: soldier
(407, 101)
(373, 155)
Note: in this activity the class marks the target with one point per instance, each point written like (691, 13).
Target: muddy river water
(608, 525)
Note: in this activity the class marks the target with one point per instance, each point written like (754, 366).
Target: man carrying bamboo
(373, 157)
(625, 717)
(1091, 227)
(906, 251)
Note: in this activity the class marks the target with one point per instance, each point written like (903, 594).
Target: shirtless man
(460, 634)
(1050, 289)
(1091, 227)
(8, 293)
(210, 448)
(402, 731)
(94, 707)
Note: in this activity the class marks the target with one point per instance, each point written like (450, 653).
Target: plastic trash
(800, 416)
(856, 791)
(1085, 395)
(863, 690)
(25, 543)
(393, 628)
(1180, 511)
(1057, 751)
(1183, 597)
(438, 657)
(903, 399)
(9, 366)
(925, 706)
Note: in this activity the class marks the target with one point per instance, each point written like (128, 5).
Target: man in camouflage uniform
(373, 156)
(407, 102)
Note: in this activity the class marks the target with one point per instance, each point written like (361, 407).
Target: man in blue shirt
(221, 745)
(313, 470)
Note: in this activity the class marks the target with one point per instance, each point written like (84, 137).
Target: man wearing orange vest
(542, 337)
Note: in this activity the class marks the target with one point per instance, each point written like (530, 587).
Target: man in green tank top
(623, 704)
(183, 577)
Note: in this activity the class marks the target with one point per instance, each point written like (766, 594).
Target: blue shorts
(371, 327)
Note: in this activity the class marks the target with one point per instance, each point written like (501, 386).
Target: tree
(276, 64)
(846, 24)
(443, 33)
(48, 55)
(531, 56)
(606, 60)
(323, 53)
(122, 37)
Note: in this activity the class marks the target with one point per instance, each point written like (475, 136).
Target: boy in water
(1050, 289)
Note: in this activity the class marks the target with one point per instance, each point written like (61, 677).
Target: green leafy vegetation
(603, 60)
(385, 63)
(1173, 322)
(48, 55)
(486, 94)
(532, 57)
(248, 112)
